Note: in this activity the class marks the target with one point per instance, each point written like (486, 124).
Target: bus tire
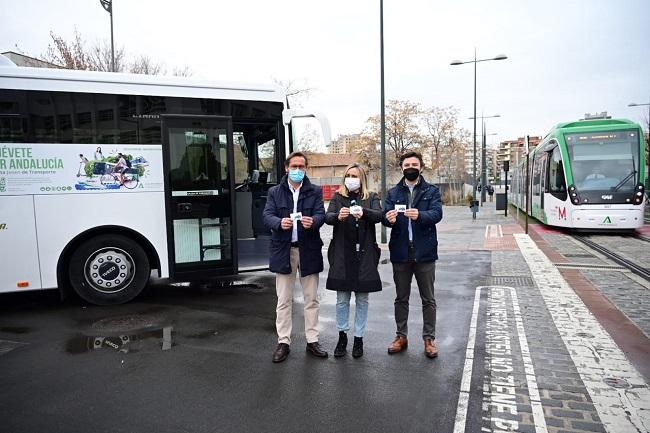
(108, 269)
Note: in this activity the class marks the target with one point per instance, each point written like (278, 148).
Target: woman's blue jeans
(343, 312)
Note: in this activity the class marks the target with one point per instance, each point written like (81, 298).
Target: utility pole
(383, 115)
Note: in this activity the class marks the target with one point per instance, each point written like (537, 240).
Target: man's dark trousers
(424, 275)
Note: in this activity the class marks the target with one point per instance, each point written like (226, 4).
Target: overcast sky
(565, 58)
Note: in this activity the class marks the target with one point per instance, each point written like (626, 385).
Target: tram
(588, 174)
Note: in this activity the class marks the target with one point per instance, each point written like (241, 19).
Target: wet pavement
(518, 352)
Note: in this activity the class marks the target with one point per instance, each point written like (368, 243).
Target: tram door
(538, 181)
(197, 161)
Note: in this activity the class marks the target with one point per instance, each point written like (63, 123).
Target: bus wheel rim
(109, 270)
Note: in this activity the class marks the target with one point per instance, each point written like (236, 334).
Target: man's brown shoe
(399, 343)
(430, 348)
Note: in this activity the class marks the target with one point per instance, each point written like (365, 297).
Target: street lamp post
(483, 154)
(633, 104)
(382, 115)
(108, 7)
(475, 61)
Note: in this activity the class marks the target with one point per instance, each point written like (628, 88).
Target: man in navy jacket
(412, 209)
(294, 212)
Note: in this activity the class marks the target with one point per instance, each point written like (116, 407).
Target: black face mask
(411, 174)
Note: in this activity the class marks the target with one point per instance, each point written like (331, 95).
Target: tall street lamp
(475, 61)
(483, 155)
(383, 114)
(108, 7)
(633, 104)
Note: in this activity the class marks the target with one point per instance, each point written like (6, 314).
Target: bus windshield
(606, 160)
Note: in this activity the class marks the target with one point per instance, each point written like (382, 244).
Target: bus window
(307, 135)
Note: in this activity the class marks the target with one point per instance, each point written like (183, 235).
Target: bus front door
(197, 154)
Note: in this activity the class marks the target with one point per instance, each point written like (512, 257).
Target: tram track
(617, 258)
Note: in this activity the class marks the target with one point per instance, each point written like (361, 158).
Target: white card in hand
(355, 209)
(400, 207)
(296, 216)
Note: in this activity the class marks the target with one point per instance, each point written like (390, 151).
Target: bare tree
(297, 93)
(100, 58)
(70, 55)
(182, 72)
(145, 65)
(440, 124)
(456, 146)
(77, 54)
(402, 129)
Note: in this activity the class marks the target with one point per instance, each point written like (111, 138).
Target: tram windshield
(606, 160)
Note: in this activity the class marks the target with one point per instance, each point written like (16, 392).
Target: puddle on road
(15, 329)
(121, 343)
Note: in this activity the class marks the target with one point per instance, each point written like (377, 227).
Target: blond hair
(363, 179)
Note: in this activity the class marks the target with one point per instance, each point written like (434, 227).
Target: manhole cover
(616, 382)
(584, 335)
(124, 324)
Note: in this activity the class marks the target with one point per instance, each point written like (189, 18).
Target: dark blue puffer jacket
(425, 240)
(279, 204)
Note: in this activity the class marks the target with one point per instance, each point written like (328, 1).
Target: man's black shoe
(281, 352)
(315, 349)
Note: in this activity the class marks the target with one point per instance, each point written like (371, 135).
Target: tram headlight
(638, 196)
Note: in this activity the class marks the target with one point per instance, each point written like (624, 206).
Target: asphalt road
(77, 368)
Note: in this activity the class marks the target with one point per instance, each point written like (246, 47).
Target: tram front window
(604, 161)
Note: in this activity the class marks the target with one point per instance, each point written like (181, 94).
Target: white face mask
(352, 183)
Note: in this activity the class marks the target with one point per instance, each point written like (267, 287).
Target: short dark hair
(293, 155)
(411, 154)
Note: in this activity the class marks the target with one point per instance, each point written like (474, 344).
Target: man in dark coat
(412, 209)
(294, 213)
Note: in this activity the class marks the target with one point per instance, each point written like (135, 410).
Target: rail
(633, 267)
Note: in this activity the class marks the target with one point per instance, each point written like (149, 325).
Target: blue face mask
(296, 175)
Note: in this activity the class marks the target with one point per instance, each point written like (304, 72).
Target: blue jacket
(279, 204)
(425, 240)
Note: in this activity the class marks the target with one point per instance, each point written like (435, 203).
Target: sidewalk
(570, 375)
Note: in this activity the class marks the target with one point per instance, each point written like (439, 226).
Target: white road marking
(493, 231)
(594, 353)
(463, 399)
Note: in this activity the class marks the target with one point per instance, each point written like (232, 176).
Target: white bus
(107, 179)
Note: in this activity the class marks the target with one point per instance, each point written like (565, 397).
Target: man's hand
(344, 213)
(307, 222)
(412, 213)
(286, 224)
(391, 216)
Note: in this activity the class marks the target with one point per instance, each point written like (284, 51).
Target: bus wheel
(108, 269)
